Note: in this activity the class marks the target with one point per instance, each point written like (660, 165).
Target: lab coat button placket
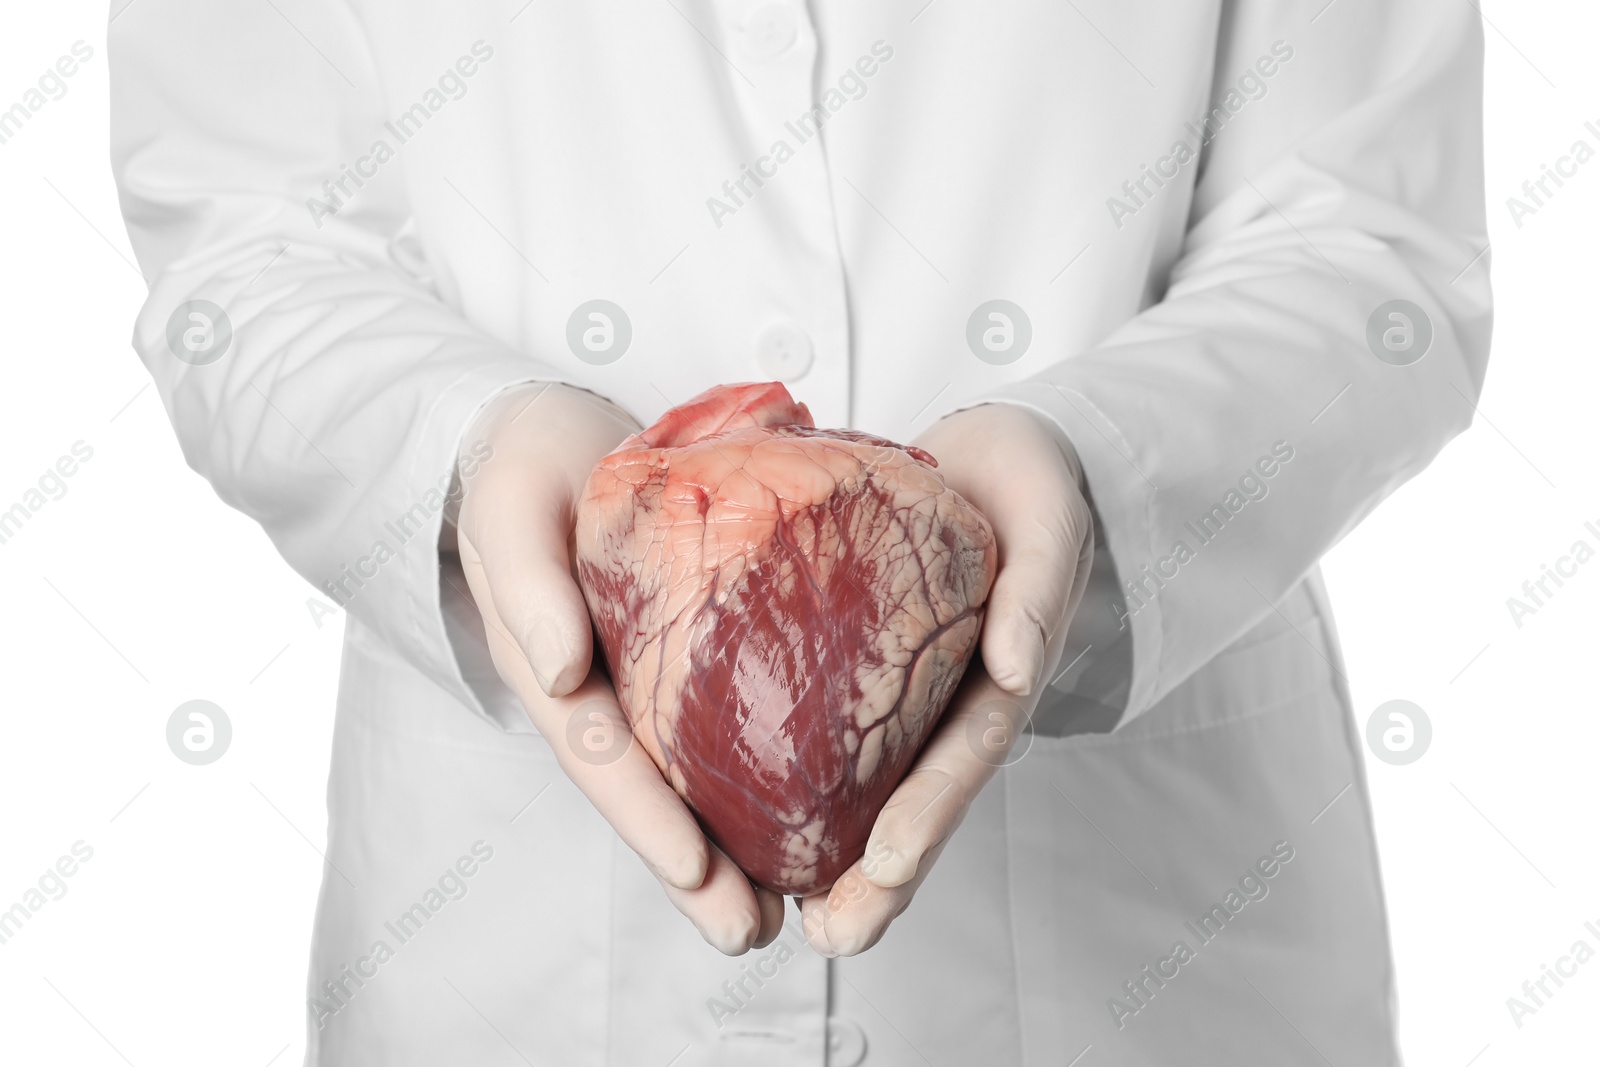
(770, 30)
(847, 1043)
(784, 352)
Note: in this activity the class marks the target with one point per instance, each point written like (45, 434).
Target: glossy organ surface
(785, 612)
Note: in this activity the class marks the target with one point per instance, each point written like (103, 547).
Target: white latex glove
(514, 536)
(1025, 478)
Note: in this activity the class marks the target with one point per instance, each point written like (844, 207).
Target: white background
(184, 940)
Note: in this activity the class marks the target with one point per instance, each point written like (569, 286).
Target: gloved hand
(514, 534)
(1024, 476)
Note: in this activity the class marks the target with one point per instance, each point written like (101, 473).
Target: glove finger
(931, 801)
(591, 740)
(724, 908)
(518, 541)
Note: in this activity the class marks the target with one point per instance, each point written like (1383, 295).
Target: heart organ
(785, 612)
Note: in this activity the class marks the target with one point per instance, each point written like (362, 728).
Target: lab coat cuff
(426, 637)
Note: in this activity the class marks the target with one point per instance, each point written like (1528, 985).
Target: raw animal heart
(785, 612)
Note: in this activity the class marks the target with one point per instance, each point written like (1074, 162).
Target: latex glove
(1023, 475)
(514, 536)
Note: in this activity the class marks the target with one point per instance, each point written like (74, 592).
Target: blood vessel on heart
(785, 611)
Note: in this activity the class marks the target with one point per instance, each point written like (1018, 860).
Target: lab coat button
(784, 352)
(771, 30)
(847, 1045)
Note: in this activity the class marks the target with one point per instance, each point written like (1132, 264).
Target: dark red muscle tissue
(785, 612)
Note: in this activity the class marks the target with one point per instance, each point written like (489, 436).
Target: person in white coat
(1189, 288)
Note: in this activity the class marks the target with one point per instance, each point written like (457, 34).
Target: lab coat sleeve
(334, 415)
(1357, 179)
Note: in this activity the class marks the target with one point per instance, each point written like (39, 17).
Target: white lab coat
(1180, 333)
